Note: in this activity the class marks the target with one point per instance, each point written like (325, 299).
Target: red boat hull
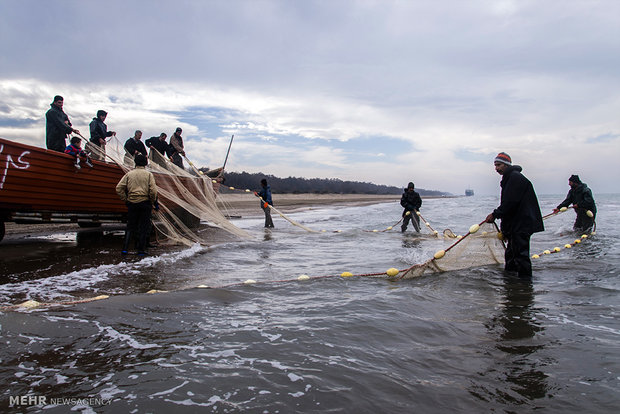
(40, 185)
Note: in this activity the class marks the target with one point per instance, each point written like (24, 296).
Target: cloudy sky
(379, 91)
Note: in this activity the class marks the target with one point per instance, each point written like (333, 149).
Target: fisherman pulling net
(185, 198)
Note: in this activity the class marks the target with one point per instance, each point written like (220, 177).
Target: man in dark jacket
(411, 202)
(520, 215)
(266, 201)
(98, 133)
(134, 145)
(57, 126)
(580, 196)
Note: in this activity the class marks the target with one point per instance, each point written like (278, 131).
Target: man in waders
(411, 202)
(580, 196)
(520, 215)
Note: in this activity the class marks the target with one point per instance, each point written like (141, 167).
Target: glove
(156, 205)
(255, 193)
(265, 205)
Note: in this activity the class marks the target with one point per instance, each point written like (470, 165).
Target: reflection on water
(516, 329)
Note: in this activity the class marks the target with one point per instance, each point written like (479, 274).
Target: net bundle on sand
(186, 198)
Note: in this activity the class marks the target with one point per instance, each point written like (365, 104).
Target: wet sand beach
(235, 205)
(35, 251)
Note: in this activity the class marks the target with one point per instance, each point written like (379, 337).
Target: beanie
(503, 158)
(101, 112)
(574, 178)
(410, 185)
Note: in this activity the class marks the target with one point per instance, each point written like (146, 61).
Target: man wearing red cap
(520, 215)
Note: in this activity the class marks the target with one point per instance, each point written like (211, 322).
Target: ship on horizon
(469, 192)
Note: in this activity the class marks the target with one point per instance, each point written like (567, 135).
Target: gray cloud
(453, 79)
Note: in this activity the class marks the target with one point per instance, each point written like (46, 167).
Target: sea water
(474, 340)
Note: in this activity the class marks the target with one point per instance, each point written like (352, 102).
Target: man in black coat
(57, 126)
(580, 196)
(520, 215)
(98, 134)
(411, 202)
(134, 145)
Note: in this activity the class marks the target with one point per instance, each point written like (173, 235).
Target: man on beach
(580, 196)
(411, 201)
(266, 202)
(520, 215)
(138, 190)
(57, 126)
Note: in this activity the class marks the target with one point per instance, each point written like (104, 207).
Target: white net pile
(185, 198)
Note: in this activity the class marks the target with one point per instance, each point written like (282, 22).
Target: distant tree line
(298, 185)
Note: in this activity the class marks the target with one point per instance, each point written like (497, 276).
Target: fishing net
(479, 247)
(186, 198)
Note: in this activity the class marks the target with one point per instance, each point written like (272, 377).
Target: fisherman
(138, 190)
(57, 126)
(75, 149)
(98, 134)
(411, 201)
(176, 148)
(266, 201)
(520, 215)
(158, 143)
(580, 196)
(134, 145)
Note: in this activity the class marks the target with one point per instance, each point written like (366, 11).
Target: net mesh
(480, 248)
(186, 198)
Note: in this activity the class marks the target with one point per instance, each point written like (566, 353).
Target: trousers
(518, 254)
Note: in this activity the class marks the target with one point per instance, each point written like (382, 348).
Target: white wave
(57, 287)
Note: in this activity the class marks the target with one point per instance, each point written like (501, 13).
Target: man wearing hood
(580, 196)
(98, 133)
(265, 202)
(57, 126)
(411, 202)
(520, 215)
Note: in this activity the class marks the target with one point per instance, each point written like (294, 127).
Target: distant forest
(296, 185)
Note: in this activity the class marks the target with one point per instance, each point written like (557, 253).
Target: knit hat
(574, 178)
(503, 158)
(101, 112)
(410, 185)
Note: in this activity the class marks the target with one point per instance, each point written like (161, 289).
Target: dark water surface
(474, 340)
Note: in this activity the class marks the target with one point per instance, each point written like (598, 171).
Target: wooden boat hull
(40, 185)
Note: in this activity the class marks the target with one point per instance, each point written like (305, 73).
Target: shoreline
(235, 205)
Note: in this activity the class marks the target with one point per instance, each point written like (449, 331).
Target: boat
(469, 192)
(38, 185)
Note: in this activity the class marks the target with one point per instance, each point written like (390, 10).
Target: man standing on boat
(520, 215)
(98, 133)
(57, 126)
(138, 190)
(580, 196)
(134, 145)
(177, 148)
(411, 202)
(159, 148)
